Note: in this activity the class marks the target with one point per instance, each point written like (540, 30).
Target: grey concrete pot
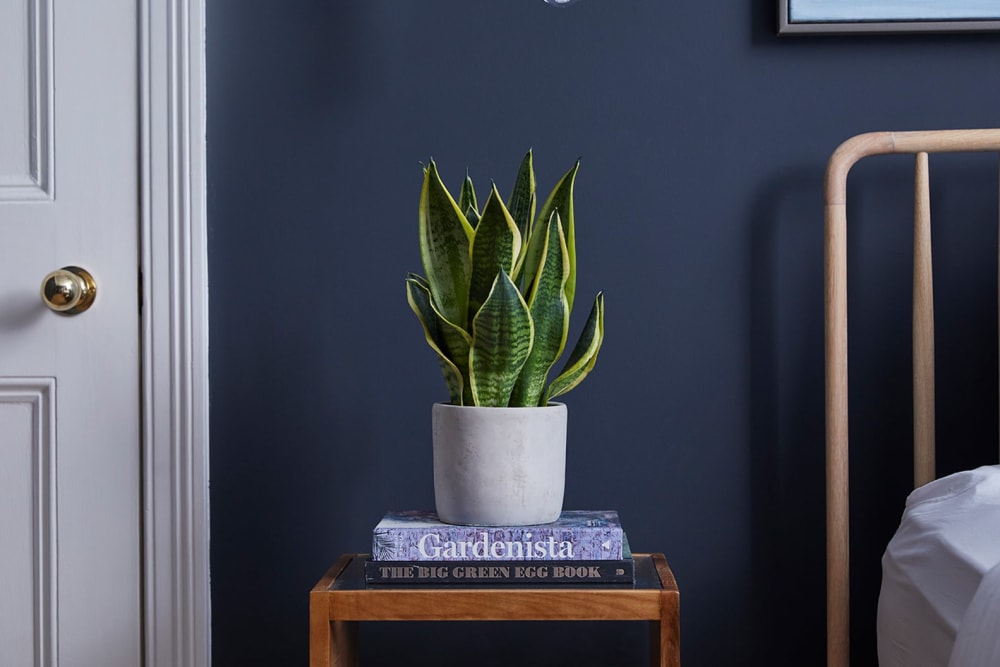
(499, 466)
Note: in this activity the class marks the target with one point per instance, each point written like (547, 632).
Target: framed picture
(859, 16)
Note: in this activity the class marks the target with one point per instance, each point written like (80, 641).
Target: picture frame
(887, 16)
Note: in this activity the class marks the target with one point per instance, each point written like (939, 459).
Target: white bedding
(935, 566)
(978, 640)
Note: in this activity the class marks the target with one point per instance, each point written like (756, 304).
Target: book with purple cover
(418, 535)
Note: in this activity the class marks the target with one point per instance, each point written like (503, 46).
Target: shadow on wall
(787, 421)
(276, 472)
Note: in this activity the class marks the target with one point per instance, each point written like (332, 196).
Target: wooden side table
(341, 599)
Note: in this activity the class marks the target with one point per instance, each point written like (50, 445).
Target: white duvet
(940, 599)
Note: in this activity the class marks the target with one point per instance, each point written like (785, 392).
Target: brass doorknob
(69, 291)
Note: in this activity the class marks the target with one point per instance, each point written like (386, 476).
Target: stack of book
(415, 547)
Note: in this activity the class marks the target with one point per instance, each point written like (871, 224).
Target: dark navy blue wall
(703, 139)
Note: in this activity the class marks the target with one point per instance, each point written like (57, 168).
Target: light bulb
(560, 3)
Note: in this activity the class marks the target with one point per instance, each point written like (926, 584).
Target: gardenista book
(418, 535)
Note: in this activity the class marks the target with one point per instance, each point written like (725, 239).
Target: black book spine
(538, 573)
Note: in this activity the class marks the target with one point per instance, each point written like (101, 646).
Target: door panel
(70, 463)
(26, 484)
(26, 82)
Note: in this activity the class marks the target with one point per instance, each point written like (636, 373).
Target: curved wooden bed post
(835, 296)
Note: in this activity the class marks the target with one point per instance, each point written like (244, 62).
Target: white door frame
(174, 287)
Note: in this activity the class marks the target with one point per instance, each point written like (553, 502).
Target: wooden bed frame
(835, 288)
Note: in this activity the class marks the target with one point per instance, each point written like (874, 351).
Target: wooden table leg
(333, 643)
(665, 634)
(320, 635)
(344, 643)
(319, 644)
(664, 642)
(330, 643)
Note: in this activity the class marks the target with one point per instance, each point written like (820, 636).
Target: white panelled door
(70, 449)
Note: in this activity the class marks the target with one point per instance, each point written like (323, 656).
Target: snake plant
(497, 291)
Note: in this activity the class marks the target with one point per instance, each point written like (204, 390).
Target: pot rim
(551, 404)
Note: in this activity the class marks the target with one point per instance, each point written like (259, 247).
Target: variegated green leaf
(516, 276)
(495, 247)
(550, 313)
(522, 198)
(502, 334)
(456, 344)
(419, 279)
(452, 339)
(467, 201)
(581, 361)
(561, 199)
(445, 241)
(419, 298)
(472, 215)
